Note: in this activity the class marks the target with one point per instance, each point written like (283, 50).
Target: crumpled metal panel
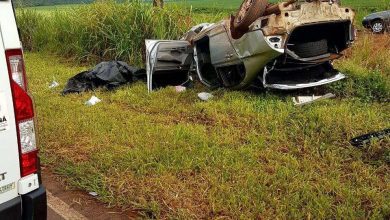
(309, 13)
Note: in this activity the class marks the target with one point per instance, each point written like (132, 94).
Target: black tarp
(110, 74)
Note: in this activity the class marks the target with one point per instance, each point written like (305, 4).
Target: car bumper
(30, 206)
(336, 78)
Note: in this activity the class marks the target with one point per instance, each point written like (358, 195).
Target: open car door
(168, 63)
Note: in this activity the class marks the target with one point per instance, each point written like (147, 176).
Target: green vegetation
(107, 30)
(243, 155)
(234, 4)
(102, 30)
(368, 67)
(230, 4)
(50, 2)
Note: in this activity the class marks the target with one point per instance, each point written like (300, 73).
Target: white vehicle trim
(335, 78)
(9, 29)
(9, 149)
(28, 184)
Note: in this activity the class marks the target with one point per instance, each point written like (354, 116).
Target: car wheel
(377, 27)
(311, 49)
(249, 11)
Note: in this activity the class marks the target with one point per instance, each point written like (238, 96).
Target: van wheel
(377, 27)
(249, 11)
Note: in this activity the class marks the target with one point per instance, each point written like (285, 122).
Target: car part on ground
(305, 100)
(106, 74)
(291, 48)
(378, 22)
(366, 139)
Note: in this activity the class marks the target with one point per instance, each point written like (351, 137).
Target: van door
(9, 149)
(168, 63)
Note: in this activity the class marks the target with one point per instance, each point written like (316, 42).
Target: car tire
(311, 49)
(249, 11)
(378, 27)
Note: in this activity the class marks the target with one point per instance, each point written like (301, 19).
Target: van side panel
(9, 149)
(9, 29)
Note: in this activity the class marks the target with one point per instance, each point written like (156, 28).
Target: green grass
(362, 7)
(242, 155)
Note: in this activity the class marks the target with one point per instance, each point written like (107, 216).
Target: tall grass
(367, 65)
(103, 30)
(241, 155)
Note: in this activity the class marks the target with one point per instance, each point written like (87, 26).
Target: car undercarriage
(290, 45)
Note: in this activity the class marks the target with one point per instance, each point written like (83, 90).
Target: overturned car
(290, 45)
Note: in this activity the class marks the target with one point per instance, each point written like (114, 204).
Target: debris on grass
(92, 101)
(205, 96)
(94, 194)
(53, 84)
(304, 100)
(366, 139)
(180, 89)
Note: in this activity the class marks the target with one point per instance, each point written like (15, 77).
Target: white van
(22, 195)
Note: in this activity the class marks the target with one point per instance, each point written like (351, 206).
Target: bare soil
(81, 201)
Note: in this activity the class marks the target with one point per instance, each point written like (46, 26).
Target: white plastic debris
(180, 89)
(93, 101)
(205, 96)
(304, 100)
(53, 84)
(94, 194)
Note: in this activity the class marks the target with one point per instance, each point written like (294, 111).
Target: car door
(9, 149)
(168, 63)
(221, 49)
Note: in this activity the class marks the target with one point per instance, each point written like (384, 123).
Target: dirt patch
(81, 201)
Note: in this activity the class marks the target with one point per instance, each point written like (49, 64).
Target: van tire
(249, 11)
